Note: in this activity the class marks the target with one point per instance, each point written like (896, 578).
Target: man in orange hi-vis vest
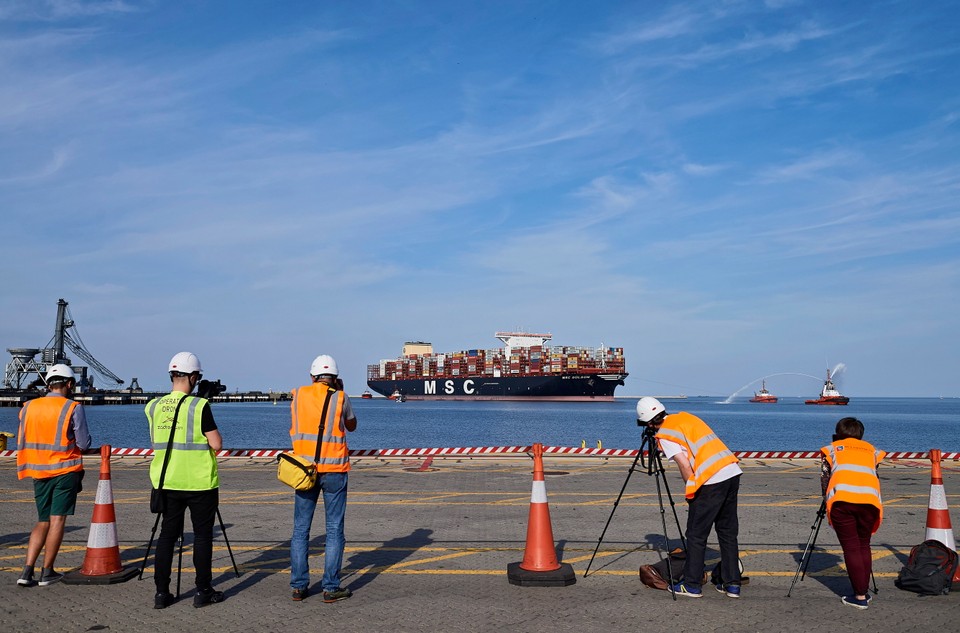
(851, 488)
(53, 433)
(321, 415)
(712, 479)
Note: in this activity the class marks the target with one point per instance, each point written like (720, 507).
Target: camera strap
(323, 422)
(166, 455)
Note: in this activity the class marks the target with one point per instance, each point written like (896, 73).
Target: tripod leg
(673, 506)
(874, 579)
(615, 504)
(820, 514)
(179, 564)
(805, 557)
(666, 540)
(227, 541)
(153, 533)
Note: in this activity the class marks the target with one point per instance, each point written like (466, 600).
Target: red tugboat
(829, 394)
(763, 395)
(366, 395)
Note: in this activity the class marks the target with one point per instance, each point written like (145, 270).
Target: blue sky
(727, 190)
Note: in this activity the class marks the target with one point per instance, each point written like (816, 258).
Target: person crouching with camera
(851, 488)
(712, 477)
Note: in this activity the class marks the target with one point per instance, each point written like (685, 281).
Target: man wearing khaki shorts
(52, 435)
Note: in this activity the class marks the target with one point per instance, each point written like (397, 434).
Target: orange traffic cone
(101, 564)
(939, 527)
(540, 567)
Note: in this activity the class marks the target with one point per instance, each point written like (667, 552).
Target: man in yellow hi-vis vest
(189, 474)
(324, 441)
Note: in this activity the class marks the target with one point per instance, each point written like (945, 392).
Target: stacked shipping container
(536, 360)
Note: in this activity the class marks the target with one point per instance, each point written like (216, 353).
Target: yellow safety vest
(305, 411)
(44, 449)
(192, 464)
(705, 449)
(853, 474)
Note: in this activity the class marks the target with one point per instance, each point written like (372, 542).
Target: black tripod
(808, 550)
(654, 467)
(153, 534)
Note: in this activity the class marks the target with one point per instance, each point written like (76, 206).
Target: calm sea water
(893, 424)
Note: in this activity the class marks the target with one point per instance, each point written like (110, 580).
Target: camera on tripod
(209, 388)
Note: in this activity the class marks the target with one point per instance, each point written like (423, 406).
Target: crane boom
(81, 351)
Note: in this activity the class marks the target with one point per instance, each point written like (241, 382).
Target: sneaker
(732, 591)
(681, 589)
(855, 602)
(49, 576)
(162, 600)
(300, 594)
(336, 595)
(26, 578)
(207, 596)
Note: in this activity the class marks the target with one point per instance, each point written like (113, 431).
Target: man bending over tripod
(712, 479)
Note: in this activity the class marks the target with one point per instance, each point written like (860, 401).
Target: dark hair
(57, 381)
(847, 428)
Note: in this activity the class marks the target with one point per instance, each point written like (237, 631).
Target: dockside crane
(23, 362)
(63, 338)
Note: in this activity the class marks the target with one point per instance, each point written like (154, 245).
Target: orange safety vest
(853, 474)
(43, 447)
(305, 411)
(705, 449)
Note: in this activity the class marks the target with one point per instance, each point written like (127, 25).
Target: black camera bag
(929, 570)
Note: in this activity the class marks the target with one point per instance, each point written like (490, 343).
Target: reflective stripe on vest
(305, 410)
(853, 474)
(707, 453)
(192, 464)
(44, 449)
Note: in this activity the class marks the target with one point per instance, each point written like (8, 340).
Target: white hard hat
(648, 408)
(60, 371)
(185, 363)
(324, 364)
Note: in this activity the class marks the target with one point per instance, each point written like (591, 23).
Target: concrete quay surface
(429, 541)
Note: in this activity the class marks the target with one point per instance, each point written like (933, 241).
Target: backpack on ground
(657, 576)
(929, 570)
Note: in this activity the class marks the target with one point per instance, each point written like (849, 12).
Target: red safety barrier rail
(507, 451)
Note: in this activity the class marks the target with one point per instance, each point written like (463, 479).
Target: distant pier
(9, 398)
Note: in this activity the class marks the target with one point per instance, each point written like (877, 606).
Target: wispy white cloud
(820, 164)
(674, 23)
(61, 156)
(53, 10)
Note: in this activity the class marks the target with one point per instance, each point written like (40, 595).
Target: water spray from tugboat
(836, 370)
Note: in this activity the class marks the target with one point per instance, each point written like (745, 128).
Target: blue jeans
(334, 487)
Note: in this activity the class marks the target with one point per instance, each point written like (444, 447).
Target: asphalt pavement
(429, 541)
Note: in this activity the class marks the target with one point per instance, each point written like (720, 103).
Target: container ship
(524, 369)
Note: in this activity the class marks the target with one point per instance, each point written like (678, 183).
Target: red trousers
(853, 523)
